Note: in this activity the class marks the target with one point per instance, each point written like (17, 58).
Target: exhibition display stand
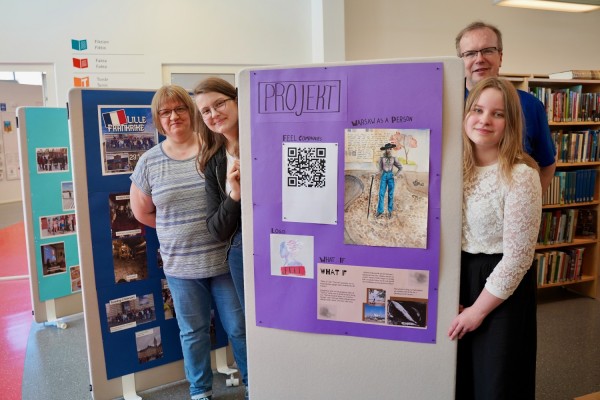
(131, 327)
(49, 214)
(346, 264)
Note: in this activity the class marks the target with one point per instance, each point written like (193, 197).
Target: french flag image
(114, 118)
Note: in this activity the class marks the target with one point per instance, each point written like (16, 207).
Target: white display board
(294, 361)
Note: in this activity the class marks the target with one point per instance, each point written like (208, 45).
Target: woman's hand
(233, 178)
(468, 320)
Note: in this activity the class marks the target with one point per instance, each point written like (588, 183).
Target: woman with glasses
(217, 102)
(167, 193)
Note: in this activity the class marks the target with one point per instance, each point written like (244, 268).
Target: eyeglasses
(488, 51)
(166, 112)
(218, 106)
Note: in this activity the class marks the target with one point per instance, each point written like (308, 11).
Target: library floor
(39, 361)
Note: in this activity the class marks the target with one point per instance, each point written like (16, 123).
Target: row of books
(577, 146)
(576, 74)
(559, 266)
(563, 225)
(568, 187)
(569, 104)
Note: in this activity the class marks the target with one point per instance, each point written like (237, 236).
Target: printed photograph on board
(68, 196)
(52, 159)
(376, 296)
(374, 313)
(149, 345)
(126, 132)
(407, 312)
(53, 258)
(159, 260)
(168, 306)
(386, 187)
(58, 225)
(129, 259)
(122, 221)
(75, 278)
(130, 311)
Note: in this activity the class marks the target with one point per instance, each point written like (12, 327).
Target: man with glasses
(480, 46)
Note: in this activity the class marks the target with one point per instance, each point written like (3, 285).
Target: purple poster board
(328, 258)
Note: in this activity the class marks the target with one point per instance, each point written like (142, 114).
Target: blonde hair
(169, 93)
(473, 26)
(510, 148)
(211, 141)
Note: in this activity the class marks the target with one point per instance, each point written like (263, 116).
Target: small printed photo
(292, 256)
(7, 127)
(68, 196)
(130, 311)
(75, 278)
(168, 306)
(118, 163)
(120, 142)
(52, 159)
(374, 313)
(149, 345)
(53, 258)
(129, 259)
(122, 220)
(159, 259)
(376, 296)
(58, 225)
(408, 312)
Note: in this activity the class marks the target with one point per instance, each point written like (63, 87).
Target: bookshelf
(568, 257)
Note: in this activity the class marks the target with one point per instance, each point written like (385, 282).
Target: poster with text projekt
(346, 164)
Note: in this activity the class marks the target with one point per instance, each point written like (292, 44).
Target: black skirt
(497, 360)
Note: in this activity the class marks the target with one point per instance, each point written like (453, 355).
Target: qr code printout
(306, 167)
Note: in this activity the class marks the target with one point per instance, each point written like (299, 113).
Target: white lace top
(501, 219)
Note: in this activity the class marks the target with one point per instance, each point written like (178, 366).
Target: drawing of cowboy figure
(386, 165)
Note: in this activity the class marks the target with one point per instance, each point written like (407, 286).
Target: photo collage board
(52, 201)
(349, 236)
(135, 306)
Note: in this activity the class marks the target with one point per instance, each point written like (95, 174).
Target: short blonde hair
(169, 93)
(473, 26)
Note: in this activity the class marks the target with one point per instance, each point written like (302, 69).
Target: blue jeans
(236, 266)
(192, 299)
(387, 183)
